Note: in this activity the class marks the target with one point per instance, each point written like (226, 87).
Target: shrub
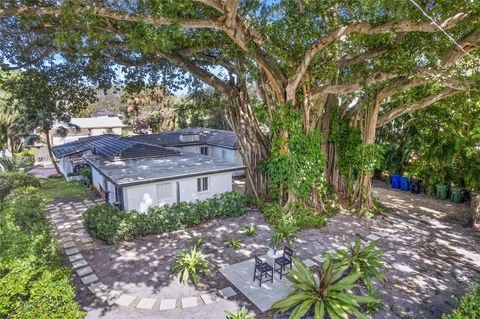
(469, 306)
(12, 180)
(112, 225)
(24, 159)
(239, 314)
(330, 298)
(33, 284)
(234, 243)
(189, 264)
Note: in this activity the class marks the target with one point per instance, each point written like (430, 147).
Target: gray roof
(112, 146)
(207, 136)
(149, 170)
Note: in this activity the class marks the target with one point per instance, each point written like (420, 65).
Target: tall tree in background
(45, 97)
(336, 62)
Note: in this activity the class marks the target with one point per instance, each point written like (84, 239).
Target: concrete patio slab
(241, 276)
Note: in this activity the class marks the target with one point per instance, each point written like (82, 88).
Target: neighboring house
(78, 128)
(133, 174)
(87, 126)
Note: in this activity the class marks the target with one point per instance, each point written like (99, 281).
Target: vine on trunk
(296, 165)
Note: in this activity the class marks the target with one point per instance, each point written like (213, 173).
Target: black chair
(284, 261)
(263, 271)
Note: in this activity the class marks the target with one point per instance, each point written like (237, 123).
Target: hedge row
(112, 225)
(33, 282)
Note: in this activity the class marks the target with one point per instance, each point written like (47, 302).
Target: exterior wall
(111, 195)
(140, 197)
(97, 179)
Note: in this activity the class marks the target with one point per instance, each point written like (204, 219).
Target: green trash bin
(442, 191)
(457, 194)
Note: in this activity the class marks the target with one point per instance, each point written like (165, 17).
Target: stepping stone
(72, 251)
(66, 238)
(97, 288)
(79, 263)
(77, 226)
(86, 240)
(168, 304)
(76, 257)
(125, 300)
(89, 279)
(309, 263)
(319, 258)
(111, 296)
(146, 303)
(373, 237)
(227, 292)
(84, 271)
(189, 302)
(209, 298)
(69, 244)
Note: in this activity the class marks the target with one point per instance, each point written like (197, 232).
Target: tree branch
(366, 28)
(421, 104)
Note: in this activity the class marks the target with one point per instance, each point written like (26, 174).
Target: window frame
(203, 184)
(164, 200)
(204, 150)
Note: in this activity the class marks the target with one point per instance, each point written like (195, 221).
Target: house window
(202, 184)
(224, 154)
(164, 193)
(204, 150)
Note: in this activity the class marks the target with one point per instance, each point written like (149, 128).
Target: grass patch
(53, 188)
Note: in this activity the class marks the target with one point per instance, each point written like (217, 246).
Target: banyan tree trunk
(254, 145)
(363, 200)
(475, 206)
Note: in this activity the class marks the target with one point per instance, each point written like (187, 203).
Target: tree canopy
(366, 62)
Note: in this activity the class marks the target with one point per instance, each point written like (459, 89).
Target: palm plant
(328, 296)
(239, 314)
(364, 260)
(189, 264)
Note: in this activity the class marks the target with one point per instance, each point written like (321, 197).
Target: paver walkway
(68, 222)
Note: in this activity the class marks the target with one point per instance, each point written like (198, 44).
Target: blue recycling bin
(404, 184)
(395, 181)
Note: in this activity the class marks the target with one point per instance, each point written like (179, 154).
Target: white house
(135, 173)
(88, 126)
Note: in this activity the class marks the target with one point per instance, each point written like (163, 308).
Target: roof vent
(189, 138)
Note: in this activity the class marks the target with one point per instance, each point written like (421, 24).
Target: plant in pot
(285, 231)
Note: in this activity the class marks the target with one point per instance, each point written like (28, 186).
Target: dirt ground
(431, 258)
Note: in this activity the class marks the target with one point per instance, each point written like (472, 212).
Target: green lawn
(53, 188)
